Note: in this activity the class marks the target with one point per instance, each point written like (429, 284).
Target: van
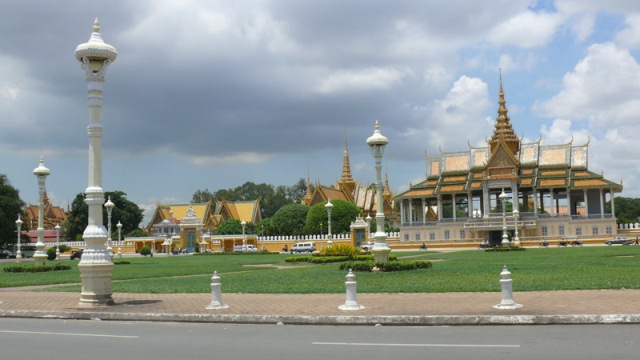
(250, 248)
(304, 247)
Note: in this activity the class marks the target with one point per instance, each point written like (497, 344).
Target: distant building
(557, 195)
(53, 215)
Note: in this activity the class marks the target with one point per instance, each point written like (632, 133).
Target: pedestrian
(637, 241)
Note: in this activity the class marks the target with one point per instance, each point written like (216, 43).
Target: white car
(250, 248)
(304, 247)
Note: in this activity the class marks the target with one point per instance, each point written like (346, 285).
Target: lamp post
(377, 143)
(262, 229)
(320, 230)
(109, 206)
(41, 172)
(516, 240)
(57, 241)
(505, 238)
(96, 267)
(368, 220)
(119, 226)
(19, 226)
(329, 206)
(244, 237)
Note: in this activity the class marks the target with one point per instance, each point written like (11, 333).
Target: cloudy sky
(211, 94)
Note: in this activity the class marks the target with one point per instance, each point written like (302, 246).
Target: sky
(212, 94)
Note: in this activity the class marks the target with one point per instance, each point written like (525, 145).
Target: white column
(601, 204)
(410, 212)
(535, 202)
(613, 203)
(453, 206)
(469, 204)
(553, 204)
(402, 218)
(486, 200)
(439, 207)
(586, 202)
(424, 212)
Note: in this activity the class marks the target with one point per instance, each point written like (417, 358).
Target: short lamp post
(41, 172)
(244, 236)
(516, 240)
(320, 230)
(19, 226)
(119, 226)
(505, 237)
(329, 206)
(262, 229)
(368, 220)
(377, 143)
(109, 205)
(57, 241)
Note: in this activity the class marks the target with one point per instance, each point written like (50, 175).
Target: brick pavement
(546, 307)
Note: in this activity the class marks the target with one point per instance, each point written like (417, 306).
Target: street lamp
(109, 206)
(19, 226)
(41, 172)
(368, 220)
(377, 143)
(262, 229)
(516, 240)
(329, 206)
(320, 230)
(119, 226)
(244, 237)
(57, 241)
(505, 238)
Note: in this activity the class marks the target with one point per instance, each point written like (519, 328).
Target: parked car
(250, 248)
(367, 247)
(303, 247)
(77, 254)
(621, 240)
(6, 254)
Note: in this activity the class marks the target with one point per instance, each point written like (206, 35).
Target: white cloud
(240, 158)
(362, 79)
(526, 30)
(630, 35)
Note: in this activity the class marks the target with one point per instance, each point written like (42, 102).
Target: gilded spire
(308, 195)
(346, 182)
(503, 130)
(387, 192)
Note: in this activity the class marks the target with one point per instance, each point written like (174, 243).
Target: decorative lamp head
(377, 141)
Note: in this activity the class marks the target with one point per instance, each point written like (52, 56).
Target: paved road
(97, 340)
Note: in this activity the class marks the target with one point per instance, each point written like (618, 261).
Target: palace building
(466, 193)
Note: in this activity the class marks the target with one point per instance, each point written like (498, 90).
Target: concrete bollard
(216, 293)
(351, 303)
(507, 292)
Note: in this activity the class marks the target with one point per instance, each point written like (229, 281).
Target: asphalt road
(97, 340)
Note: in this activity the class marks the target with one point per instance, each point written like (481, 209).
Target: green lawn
(536, 269)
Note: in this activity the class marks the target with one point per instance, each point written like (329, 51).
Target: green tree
(10, 206)
(290, 219)
(627, 209)
(126, 212)
(343, 214)
(202, 196)
(137, 233)
(229, 227)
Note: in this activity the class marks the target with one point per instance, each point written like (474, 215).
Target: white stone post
(377, 143)
(216, 293)
(329, 206)
(505, 238)
(516, 239)
(57, 241)
(244, 236)
(41, 172)
(95, 266)
(507, 292)
(351, 303)
(119, 226)
(19, 226)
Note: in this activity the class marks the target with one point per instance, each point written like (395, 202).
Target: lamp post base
(380, 252)
(96, 284)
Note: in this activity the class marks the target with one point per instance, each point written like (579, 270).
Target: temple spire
(503, 130)
(387, 191)
(308, 195)
(346, 182)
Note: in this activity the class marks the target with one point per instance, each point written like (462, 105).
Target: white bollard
(507, 292)
(351, 303)
(216, 293)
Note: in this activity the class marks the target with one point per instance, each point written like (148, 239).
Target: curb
(428, 320)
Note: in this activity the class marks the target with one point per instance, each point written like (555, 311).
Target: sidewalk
(547, 307)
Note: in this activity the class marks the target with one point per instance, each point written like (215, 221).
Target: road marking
(420, 345)
(66, 334)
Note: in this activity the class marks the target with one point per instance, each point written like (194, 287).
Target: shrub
(401, 265)
(34, 269)
(339, 250)
(51, 253)
(503, 249)
(294, 259)
(145, 250)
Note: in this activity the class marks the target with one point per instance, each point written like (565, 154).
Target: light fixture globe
(95, 51)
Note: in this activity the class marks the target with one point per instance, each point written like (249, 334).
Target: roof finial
(96, 25)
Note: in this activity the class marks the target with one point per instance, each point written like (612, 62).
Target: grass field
(535, 269)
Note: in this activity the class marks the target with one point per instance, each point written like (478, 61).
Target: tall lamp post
(19, 226)
(57, 241)
(329, 206)
(119, 226)
(41, 172)
(244, 237)
(505, 238)
(516, 240)
(96, 267)
(320, 230)
(377, 143)
(109, 206)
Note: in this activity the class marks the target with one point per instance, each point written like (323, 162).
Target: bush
(295, 259)
(145, 250)
(339, 250)
(34, 269)
(503, 249)
(51, 253)
(401, 265)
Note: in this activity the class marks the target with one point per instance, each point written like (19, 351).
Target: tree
(229, 227)
(202, 196)
(137, 233)
(343, 214)
(290, 219)
(10, 206)
(627, 209)
(126, 212)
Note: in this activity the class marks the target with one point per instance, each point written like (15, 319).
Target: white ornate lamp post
(19, 226)
(41, 172)
(119, 226)
(262, 228)
(329, 206)
(516, 240)
(95, 266)
(376, 143)
(109, 206)
(244, 237)
(320, 230)
(505, 238)
(57, 241)
(368, 220)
